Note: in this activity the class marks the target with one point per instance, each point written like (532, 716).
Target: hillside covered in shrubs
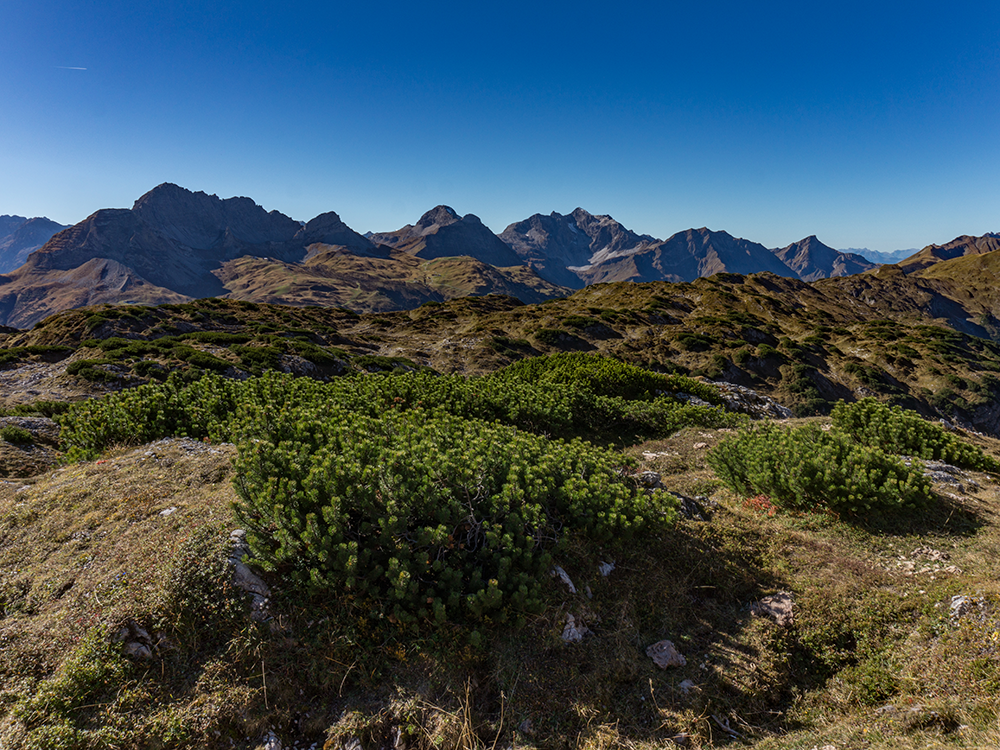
(808, 345)
(472, 524)
(477, 561)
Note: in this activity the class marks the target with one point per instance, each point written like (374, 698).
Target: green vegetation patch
(896, 430)
(426, 516)
(604, 376)
(213, 407)
(15, 435)
(36, 409)
(808, 468)
(554, 337)
(92, 370)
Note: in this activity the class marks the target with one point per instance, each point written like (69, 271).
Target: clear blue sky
(867, 123)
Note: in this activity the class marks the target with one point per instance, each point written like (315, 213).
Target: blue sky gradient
(869, 127)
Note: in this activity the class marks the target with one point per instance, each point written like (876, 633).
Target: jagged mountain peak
(439, 216)
(200, 221)
(329, 229)
(9, 224)
(442, 233)
(164, 191)
(811, 259)
(559, 246)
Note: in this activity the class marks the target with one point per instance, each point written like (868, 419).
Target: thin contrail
(66, 67)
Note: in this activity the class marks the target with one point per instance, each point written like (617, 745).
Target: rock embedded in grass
(664, 655)
(779, 607)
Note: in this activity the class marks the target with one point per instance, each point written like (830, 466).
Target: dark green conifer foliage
(429, 516)
(808, 468)
(896, 430)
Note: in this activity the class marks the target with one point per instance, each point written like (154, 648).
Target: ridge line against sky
(868, 127)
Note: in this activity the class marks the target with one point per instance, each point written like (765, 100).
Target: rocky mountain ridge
(957, 248)
(19, 237)
(811, 260)
(175, 244)
(581, 249)
(442, 233)
(559, 247)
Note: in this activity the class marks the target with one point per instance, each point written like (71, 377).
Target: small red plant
(760, 504)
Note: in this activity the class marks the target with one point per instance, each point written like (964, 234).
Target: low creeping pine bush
(604, 376)
(210, 406)
(423, 515)
(428, 497)
(896, 430)
(806, 468)
(15, 435)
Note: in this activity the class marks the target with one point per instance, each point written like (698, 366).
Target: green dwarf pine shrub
(89, 369)
(210, 406)
(15, 435)
(809, 468)
(604, 376)
(430, 517)
(896, 430)
(204, 408)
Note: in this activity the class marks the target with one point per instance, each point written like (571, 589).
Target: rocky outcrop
(745, 400)
(246, 580)
(664, 654)
(779, 607)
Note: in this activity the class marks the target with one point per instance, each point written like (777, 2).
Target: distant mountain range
(175, 245)
(875, 256)
(19, 237)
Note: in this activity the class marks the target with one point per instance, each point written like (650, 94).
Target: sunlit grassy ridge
(810, 345)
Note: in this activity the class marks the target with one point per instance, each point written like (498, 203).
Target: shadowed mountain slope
(686, 256)
(581, 249)
(176, 245)
(19, 237)
(810, 259)
(171, 238)
(556, 245)
(442, 233)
